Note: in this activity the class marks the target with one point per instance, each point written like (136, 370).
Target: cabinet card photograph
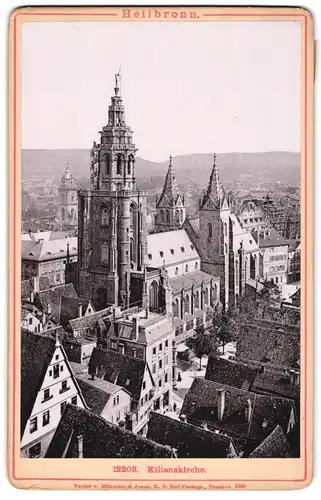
(161, 258)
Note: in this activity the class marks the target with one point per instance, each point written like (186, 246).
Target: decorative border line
(305, 141)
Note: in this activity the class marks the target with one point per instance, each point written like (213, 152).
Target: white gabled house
(47, 385)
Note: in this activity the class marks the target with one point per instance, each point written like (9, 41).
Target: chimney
(135, 328)
(204, 426)
(248, 410)
(79, 310)
(77, 450)
(220, 403)
(35, 283)
(292, 376)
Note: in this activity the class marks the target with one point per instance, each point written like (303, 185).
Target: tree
(202, 344)
(226, 325)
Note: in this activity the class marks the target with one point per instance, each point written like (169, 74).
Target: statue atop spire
(118, 77)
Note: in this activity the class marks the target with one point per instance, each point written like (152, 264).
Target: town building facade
(46, 254)
(47, 385)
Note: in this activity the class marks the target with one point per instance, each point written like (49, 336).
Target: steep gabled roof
(119, 369)
(96, 392)
(101, 439)
(53, 297)
(36, 355)
(265, 344)
(266, 412)
(189, 441)
(274, 446)
(230, 373)
(70, 308)
(170, 247)
(27, 286)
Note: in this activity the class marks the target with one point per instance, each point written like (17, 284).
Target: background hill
(236, 169)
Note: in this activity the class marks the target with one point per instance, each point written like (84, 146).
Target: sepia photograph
(160, 239)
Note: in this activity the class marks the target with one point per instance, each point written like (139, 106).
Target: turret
(170, 206)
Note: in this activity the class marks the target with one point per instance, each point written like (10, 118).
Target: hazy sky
(187, 87)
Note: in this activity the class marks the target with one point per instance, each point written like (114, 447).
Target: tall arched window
(186, 268)
(161, 213)
(177, 216)
(176, 309)
(104, 217)
(63, 214)
(237, 272)
(206, 296)
(167, 216)
(153, 296)
(225, 229)
(215, 291)
(108, 165)
(186, 304)
(225, 248)
(181, 215)
(119, 164)
(209, 230)
(105, 254)
(196, 265)
(130, 163)
(176, 271)
(197, 300)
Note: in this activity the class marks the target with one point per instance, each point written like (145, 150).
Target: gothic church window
(177, 216)
(161, 216)
(197, 300)
(105, 254)
(209, 230)
(181, 215)
(153, 296)
(215, 292)
(196, 265)
(186, 268)
(104, 217)
(176, 309)
(167, 216)
(186, 304)
(225, 229)
(206, 296)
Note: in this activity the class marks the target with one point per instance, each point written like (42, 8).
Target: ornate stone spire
(214, 190)
(170, 189)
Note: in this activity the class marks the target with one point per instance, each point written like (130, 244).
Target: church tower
(170, 207)
(68, 203)
(112, 238)
(214, 241)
